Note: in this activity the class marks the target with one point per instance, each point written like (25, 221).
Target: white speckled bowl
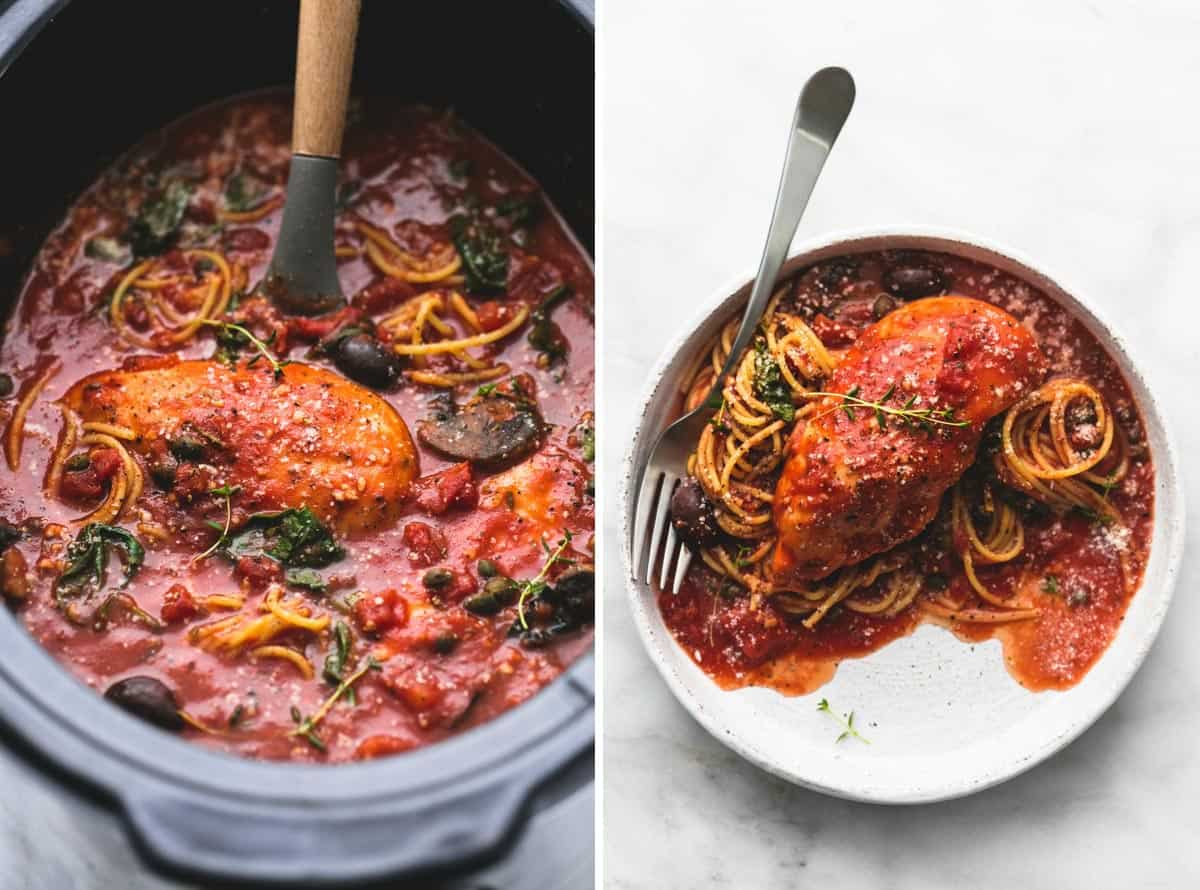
(945, 718)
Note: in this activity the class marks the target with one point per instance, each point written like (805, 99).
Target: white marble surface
(1068, 130)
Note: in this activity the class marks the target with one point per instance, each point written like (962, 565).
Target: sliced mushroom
(491, 430)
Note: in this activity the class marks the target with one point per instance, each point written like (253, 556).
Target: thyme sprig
(263, 348)
(227, 492)
(306, 727)
(905, 414)
(847, 722)
(537, 584)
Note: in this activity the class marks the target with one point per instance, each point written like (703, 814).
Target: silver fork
(821, 110)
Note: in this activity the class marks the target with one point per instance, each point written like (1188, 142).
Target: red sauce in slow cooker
(442, 668)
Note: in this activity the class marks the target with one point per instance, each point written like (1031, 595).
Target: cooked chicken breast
(311, 438)
(851, 489)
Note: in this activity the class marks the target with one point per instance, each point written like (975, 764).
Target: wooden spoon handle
(324, 60)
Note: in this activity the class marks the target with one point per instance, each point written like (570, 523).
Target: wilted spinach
(543, 335)
(243, 193)
(87, 559)
(296, 538)
(485, 260)
(154, 228)
(769, 384)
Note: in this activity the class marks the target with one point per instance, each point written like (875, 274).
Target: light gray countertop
(1066, 130)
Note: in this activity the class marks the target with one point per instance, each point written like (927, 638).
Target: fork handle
(821, 110)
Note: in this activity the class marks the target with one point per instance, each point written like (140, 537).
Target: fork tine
(645, 504)
(660, 519)
(669, 555)
(681, 567)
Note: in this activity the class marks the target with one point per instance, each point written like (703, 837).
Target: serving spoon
(821, 110)
(302, 278)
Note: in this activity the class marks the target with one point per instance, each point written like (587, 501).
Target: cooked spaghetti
(1059, 458)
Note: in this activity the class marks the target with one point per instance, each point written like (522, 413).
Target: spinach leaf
(520, 210)
(296, 538)
(485, 261)
(769, 384)
(87, 559)
(308, 579)
(543, 335)
(335, 662)
(157, 223)
(110, 250)
(243, 193)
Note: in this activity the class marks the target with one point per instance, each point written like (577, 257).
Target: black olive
(149, 699)
(491, 431)
(693, 515)
(911, 282)
(884, 303)
(436, 579)
(6, 386)
(575, 590)
(445, 643)
(487, 568)
(8, 534)
(364, 359)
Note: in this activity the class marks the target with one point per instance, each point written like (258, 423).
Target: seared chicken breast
(858, 481)
(309, 438)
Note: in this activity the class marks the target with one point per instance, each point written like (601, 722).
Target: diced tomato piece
(178, 605)
(378, 612)
(452, 487)
(381, 746)
(383, 294)
(319, 328)
(426, 545)
(833, 334)
(247, 240)
(92, 481)
(260, 571)
(493, 314)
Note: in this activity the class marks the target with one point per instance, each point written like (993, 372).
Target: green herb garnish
(769, 385)
(904, 415)
(263, 348)
(589, 444)
(847, 722)
(543, 336)
(1050, 585)
(227, 492)
(537, 584)
(296, 538)
(87, 559)
(485, 260)
(306, 728)
(157, 223)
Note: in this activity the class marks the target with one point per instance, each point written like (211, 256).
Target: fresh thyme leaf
(306, 728)
(847, 722)
(925, 418)
(486, 390)
(335, 662)
(263, 349)
(535, 586)
(227, 492)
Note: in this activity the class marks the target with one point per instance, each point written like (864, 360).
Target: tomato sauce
(1080, 573)
(432, 667)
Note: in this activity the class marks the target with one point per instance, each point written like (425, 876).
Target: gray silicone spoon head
(302, 278)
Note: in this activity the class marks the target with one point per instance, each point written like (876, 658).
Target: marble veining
(1058, 129)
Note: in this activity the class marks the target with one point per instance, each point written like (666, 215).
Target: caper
(487, 568)
(78, 462)
(187, 448)
(437, 579)
(482, 604)
(503, 589)
(884, 303)
(149, 699)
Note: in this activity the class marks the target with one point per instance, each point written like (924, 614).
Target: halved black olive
(491, 431)
(575, 590)
(364, 359)
(884, 303)
(149, 699)
(693, 515)
(911, 281)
